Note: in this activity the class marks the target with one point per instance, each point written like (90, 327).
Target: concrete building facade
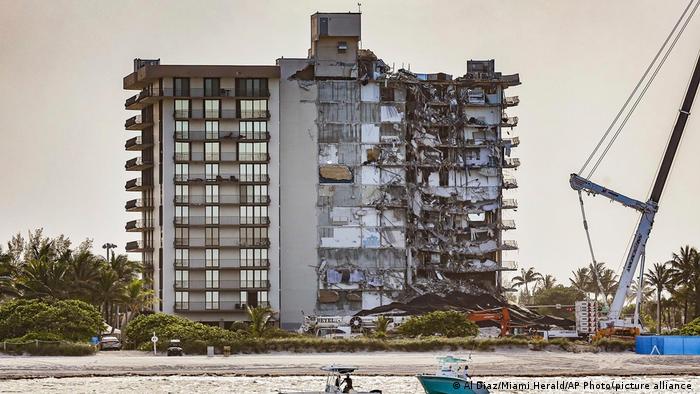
(333, 184)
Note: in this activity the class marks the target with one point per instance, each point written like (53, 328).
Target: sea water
(388, 384)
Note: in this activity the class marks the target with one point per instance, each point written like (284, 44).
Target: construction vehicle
(499, 315)
(613, 324)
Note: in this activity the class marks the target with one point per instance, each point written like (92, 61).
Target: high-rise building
(320, 185)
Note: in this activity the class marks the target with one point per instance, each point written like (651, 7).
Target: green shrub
(71, 320)
(692, 328)
(445, 323)
(614, 344)
(139, 331)
(18, 346)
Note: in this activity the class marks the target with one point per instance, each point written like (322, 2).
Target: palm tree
(686, 271)
(547, 282)
(44, 277)
(136, 298)
(259, 316)
(608, 279)
(108, 291)
(84, 275)
(659, 277)
(581, 280)
(525, 278)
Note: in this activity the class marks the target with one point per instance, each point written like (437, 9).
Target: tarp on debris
(468, 302)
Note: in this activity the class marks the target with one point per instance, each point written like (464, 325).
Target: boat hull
(449, 385)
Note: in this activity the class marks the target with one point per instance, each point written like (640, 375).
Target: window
(253, 278)
(182, 172)
(211, 129)
(211, 171)
(211, 257)
(253, 130)
(253, 172)
(211, 300)
(252, 109)
(254, 194)
(182, 300)
(263, 298)
(212, 214)
(182, 87)
(182, 279)
(251, 87)
(182, 257)
(212, 87)
(212, 108)
(182, 194)
(182, 151)
(211, 236)
(342, 46)
(253, 257)
(182, 108)
(182, 214)
(244, 299)
(182, 236)
(252, 151)
(211, 151)
(253, 215)
(254, 236)
(211, 279)
(182, 129)
(211, 194)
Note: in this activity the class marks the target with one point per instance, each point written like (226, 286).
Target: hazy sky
(62, 62)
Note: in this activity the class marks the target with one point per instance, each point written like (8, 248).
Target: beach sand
(504, 362)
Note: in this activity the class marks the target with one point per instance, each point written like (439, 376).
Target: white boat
(452, 377)
(336, 383)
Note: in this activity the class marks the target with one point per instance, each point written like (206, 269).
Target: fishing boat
(338, 381)
(451, 377)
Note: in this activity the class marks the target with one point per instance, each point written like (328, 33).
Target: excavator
(613, 324)
(499, 315)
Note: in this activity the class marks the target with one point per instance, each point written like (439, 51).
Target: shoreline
(502, 363)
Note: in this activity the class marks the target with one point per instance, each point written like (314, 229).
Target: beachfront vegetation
(70, 320)
(443, 323)
(670, 291)
(692, 328)
(42, 268)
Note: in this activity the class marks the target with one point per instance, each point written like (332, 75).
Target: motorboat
(338, 381)
(451, 377)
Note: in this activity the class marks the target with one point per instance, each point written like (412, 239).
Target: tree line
(670, 290)
(39, 267)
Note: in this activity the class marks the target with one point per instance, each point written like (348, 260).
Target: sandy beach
(522, 363)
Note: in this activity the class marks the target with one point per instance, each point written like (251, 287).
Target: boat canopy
(341, 369)
(451, 360)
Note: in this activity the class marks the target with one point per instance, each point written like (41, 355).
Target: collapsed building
(412, 172)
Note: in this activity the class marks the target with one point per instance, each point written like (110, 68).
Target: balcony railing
(255, 114)
(264, 157)
(509, 203)
(206, 178)
(507, 225)
(203, 135)
(205, 114)
(221, 284)
(138, 164)
(138, 205)
(510, 183)
(223, 199)
(207, 220)
(512, 162)
(254, 178)
(198, 264)
(136, 123)
(222, 242)
(221, 306)
(511, 101)
(138, 225)
(137, 184)
(137, 143)
(137, 246)
(509, 244)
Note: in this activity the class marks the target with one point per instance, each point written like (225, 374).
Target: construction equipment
(613, 324)
(499, 315)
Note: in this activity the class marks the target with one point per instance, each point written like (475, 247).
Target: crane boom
(648, 209)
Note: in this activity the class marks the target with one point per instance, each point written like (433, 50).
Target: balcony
(203, 285)
(510, 183)
(137, 123)
(202, 135)
(222, 242)
(255, 114)
(209, 178)
(509, 244)
(255, 178)
(138, 164)
(511, 101)
(511, 142)
(509, 203)
(221, 264)
(137, 143)
(205, 156)
(221, 306)
(138, 205)
(137, 185)
(138, 226)
(513, 162)
(205, 114)
(509, 121)
(138, 247)
(507, 225)
(223, 200)
(207, 221)
(508, 266)
(254, 157)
